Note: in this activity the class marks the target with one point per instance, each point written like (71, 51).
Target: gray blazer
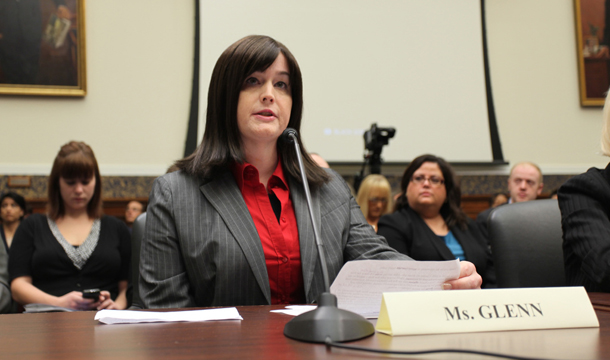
(201, 247)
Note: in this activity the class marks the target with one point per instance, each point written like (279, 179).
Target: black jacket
(407, 232)
(584, 201)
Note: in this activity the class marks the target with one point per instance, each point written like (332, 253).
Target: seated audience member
(374, 198)
(584, 201)
(12, 211)
(524, 184)
(132, 211)
(55, 257)
(428, 223)
(497, 200)
(232, 226)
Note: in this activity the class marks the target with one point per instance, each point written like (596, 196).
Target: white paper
(359, 285)
(295, 310)
(134, 317)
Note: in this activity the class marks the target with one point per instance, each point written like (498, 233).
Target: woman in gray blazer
(231, 226)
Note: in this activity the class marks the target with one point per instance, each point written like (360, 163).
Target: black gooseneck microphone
(327, 321)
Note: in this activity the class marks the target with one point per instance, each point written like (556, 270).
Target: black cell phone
(91, 294)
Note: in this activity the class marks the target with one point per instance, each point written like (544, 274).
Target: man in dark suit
(133, 209)
(231, 227)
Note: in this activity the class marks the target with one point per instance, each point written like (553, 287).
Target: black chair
(137, 233)
(526, 243)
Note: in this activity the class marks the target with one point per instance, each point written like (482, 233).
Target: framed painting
(593, 41)
(42, 48)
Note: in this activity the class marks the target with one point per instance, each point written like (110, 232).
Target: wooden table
(260, 336)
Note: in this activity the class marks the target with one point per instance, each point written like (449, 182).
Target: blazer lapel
(224, 195)
(307, 243)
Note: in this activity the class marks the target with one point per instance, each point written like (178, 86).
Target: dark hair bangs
(77, 166)
(260, 61)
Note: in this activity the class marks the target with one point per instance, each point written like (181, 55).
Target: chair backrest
(526, 243)
(137, 233)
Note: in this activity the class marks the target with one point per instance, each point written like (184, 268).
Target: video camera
(376, 137)
(374, 140)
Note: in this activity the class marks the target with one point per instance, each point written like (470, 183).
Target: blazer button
(284, 259)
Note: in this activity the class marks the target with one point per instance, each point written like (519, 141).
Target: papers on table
(358, 288)
(359, 285)
(133, 317)
(295, 310)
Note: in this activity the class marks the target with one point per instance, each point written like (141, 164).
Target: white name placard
(441, 312)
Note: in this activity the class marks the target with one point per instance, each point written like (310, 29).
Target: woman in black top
(55, 257)
(428, 223)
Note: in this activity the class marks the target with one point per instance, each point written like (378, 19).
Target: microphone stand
(327, 321)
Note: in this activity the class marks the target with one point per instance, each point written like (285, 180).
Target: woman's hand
(469, 278)
(106, 302)
(75, 300)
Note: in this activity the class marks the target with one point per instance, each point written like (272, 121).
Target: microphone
(327, 321)
(289, 136)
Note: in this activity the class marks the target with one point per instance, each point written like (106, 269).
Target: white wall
(140, 66)
(134, 116)
(534, 75)
(369, 61)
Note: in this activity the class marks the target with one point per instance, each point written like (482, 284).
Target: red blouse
(279, 238)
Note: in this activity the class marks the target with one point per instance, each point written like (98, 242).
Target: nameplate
(455, 311)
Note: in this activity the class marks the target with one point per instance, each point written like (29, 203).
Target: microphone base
(328, 321)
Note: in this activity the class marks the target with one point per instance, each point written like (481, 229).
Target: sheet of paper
(359, 285)
(295, 310)
(134, 317)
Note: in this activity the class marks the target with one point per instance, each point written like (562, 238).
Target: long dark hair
(451, 210)
(221, 144)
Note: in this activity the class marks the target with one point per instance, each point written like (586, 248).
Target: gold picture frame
(593, 51)
(53, 61)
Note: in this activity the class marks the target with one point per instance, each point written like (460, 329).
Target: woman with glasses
(374, 198)
(428, 223)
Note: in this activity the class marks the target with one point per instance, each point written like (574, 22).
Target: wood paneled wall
(112, 207)
(472, 205)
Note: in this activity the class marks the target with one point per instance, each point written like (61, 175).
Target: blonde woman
(375, 198)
